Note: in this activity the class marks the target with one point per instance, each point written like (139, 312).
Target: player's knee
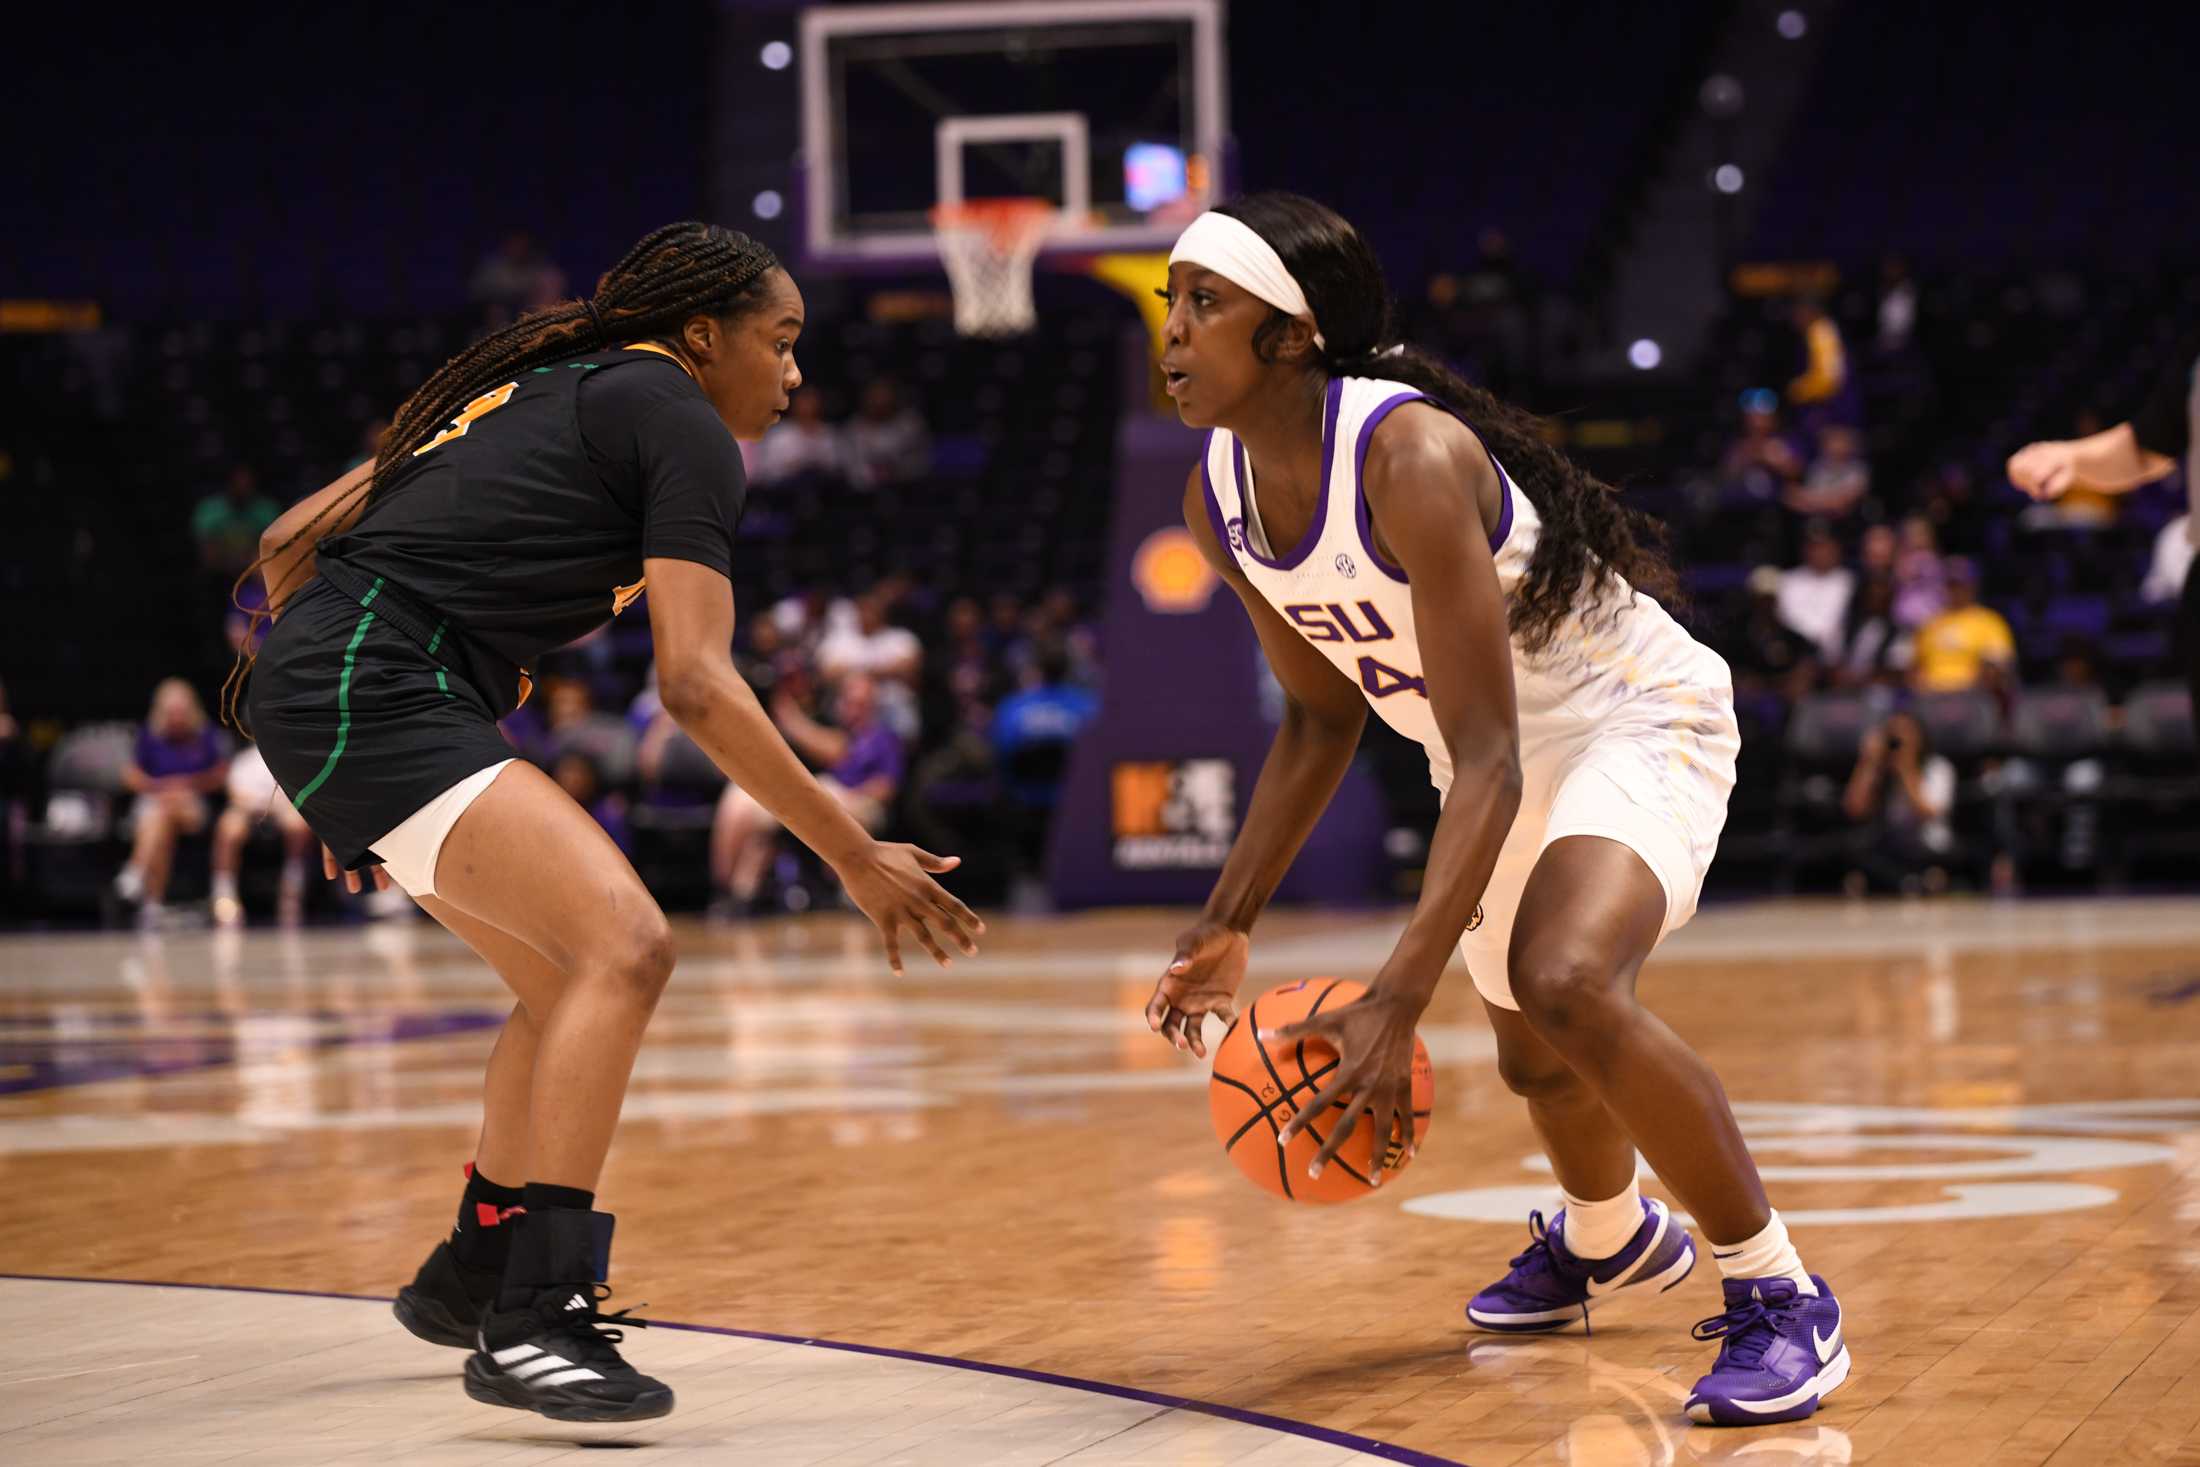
(641, 959)
(1563, 992)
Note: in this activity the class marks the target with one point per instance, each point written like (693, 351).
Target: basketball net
(989, 247)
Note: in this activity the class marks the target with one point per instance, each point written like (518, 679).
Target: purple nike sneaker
(1780, 1354)
(1548, 1286)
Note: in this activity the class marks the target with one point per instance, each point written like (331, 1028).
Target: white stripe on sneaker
(539, 1366)
(567, 1377)
(512, 1354)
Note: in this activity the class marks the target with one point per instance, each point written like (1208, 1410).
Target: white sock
(1768, 1255)
(130, 883)
(225, 885)
(1597, 1230)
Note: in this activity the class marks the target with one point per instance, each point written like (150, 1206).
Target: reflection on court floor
(1983, 1122)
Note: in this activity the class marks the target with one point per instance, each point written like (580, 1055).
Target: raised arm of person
(691, 619)
(1323, 714)
(2112, 461)
(286, 547)
(1428, 479)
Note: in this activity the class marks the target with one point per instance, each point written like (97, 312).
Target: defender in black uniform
(532, 489)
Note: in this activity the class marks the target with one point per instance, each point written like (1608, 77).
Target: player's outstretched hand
(1373, 1037)
(380, 877)
(2044, 470)
(891, 885)
(1201, 979)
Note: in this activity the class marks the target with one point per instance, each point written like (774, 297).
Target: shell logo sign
(1172, 577)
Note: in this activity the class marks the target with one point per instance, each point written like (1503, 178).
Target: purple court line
(1366, 1445)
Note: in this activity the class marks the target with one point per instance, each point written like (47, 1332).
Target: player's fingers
(1346, 1120)
(328, 863)
(1409, 1127)
(1195, 1029)
(1157, 1009)
(1323, 1099)
(1171, 1022)
(947, 901)
(1180, 1022)
(952, 920)
(931, 862)
(927, 941)
(1382, 1120)
(886, 930)
(1226, 1010)
(1289, 1033)
(381, 878)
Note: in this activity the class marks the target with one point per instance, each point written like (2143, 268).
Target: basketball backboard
(1113, 110)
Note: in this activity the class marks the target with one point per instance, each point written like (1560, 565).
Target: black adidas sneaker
(556, 1358)
(446, 1299)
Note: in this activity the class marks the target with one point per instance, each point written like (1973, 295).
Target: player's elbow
(689, 687)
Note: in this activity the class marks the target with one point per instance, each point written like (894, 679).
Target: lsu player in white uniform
(1403, 541)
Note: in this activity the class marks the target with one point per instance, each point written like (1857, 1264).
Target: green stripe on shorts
(343, 704)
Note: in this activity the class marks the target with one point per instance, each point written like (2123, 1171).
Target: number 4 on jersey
(481, 406)
(1380, 679)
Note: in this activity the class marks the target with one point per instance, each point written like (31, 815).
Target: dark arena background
(1799, 279)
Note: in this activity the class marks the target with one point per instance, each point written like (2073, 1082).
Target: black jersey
(524, 523)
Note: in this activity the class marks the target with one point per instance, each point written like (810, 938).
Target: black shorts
(358, 724)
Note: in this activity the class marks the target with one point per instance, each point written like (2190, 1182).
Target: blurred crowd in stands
(1941, 685)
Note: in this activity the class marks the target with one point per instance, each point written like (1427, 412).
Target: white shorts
(1655, 779)
(409, 852)
(251, 786)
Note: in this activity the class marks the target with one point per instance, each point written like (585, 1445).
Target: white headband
(1232, 249)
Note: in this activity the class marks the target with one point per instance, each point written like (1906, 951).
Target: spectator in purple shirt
(862, 758)
(179, 760)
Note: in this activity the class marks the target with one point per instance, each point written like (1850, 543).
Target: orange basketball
(1256, 1090)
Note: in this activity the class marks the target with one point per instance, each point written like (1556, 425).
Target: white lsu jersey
(1618, 658)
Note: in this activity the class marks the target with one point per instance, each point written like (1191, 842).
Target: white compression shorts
(409, 852)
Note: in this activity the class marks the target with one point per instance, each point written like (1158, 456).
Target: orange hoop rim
(1008, 220)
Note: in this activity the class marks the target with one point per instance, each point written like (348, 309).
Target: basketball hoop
(988, 247)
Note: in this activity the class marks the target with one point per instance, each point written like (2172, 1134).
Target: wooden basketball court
(978, 1216)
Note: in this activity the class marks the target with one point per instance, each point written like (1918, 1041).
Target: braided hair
(1588, 536)
(673, 275)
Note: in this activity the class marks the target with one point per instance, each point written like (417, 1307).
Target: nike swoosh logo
(1827, 1345)
(1598, 1288)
